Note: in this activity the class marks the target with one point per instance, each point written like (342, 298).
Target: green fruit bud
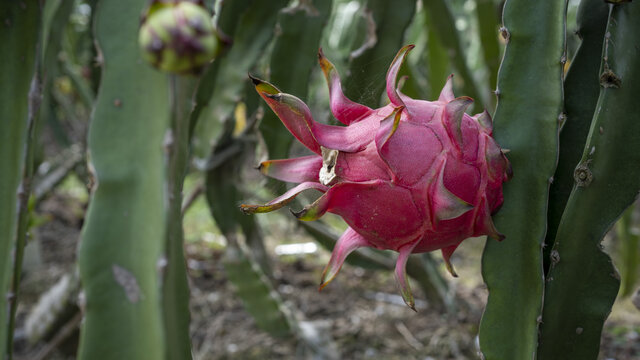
(178, 37)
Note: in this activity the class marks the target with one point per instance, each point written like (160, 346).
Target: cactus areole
(412, 176)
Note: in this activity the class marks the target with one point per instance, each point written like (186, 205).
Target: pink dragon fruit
(412, 176)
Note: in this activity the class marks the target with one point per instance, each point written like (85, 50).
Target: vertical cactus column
(122, 240)
(582, 283)
(175, 286)
(300, 31)
(387, 24)
(436, 58)
(443, 26)
(487, 16)
(526, 122)
(18, 38)
(253, 33)
(581, 87)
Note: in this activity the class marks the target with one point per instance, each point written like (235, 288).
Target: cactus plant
(122, 237)
(18, 46)
(582, 282)
(385, 23)
(526, 123)
(550, 285)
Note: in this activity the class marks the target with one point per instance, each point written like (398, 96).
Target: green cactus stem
(175, 286)
(300, 31)
(526, 122)
(18, 53)
(253, 33)
(444, 28)
(250, 280)
(582, 283)
(582, 87)
(437, 60)
(229, 17)
(487, 16)
(386, 22)
(122, 239)
(257, 294)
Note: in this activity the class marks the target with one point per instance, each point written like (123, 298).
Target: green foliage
(175, 286)
(386, 23)
(582, 87)
(487, 15)
(582, 282)
(526, 122)
(257, 293)
(294, 51)
(18, 51)
(252, 35)
(122, 238)
(551, 287)
(444, 29)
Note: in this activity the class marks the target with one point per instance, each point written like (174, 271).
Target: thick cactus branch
(526, 122)
(582, 282)
(122, 240)
(387, 22)
(582, 87)
(18, 40)
(175, 287)
(487, 15)
(443, 25)
(437, 61)
(254, 31)
(300, 31)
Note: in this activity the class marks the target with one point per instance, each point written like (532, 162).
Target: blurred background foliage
(271, 264)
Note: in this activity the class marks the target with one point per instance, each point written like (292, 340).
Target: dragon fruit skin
(412, 176)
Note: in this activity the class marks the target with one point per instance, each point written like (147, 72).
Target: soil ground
(360, 312)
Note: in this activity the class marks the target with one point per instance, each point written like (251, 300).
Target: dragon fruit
(412, 176)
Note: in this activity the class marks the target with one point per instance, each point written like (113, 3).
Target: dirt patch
(360, 311)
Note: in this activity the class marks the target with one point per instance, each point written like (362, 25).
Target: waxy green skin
(391, 21)
(254, 30)
(18, 39)
(582, 283)
(178, 38)
(123, 236)
(582, 88)
(526, 123)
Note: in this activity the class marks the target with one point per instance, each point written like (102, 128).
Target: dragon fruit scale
(412, 176)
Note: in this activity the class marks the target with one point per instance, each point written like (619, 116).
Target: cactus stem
(175, 287)
(35, 96)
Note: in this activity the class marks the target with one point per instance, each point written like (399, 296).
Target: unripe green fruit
(178, 37)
